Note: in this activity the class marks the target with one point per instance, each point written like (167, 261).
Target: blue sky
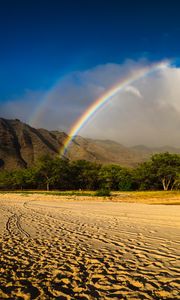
(43, 40)
(57, 57)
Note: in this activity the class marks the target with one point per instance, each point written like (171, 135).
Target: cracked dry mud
(63, 249)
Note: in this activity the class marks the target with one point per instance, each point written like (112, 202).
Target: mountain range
(21, 145)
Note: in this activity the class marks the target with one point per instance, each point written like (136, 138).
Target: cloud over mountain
(146, 112)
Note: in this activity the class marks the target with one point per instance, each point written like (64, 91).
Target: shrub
(104, 192)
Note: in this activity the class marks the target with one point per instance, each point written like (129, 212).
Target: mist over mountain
(21, 145)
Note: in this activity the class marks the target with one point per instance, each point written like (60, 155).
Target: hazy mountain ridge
(21, 145)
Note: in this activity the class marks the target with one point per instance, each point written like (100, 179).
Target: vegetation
(161, 172)
(104, 192)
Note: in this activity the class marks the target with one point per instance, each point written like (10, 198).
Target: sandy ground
(57, 248)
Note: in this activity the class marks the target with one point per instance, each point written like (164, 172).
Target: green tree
(126, 182)
(53, 172)
(166, 166)
(19, 179)
(31, 178)
(45, 169)
(6, 180)
(61, 177)
(115, 177)
(144, 178)
(162, 171)
(84, 175)
(176, 184)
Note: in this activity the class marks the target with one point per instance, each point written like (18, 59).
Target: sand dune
(56, 248)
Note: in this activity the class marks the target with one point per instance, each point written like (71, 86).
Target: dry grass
(147, 197)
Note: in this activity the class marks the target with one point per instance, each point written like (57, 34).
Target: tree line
(161, 172)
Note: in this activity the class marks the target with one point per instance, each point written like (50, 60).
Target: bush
(105, 192)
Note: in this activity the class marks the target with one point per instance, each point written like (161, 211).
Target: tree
(6, 180)
(176, 184)
(126, 182)
(144, 178)
(115, 177)
(61, 177)
(19, 179)
(108, 176)
(44, 168)
(161, 171)
(167, 168)
(84, 175)
(53, 172)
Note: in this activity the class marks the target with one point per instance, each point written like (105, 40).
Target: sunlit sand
(61, 248)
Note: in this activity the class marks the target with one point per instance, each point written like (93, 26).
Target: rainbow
(107, 96)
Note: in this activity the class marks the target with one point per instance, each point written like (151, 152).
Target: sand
(61, 248)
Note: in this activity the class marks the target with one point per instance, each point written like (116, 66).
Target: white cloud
(132, 90)
(22, 107)
(147, 112)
